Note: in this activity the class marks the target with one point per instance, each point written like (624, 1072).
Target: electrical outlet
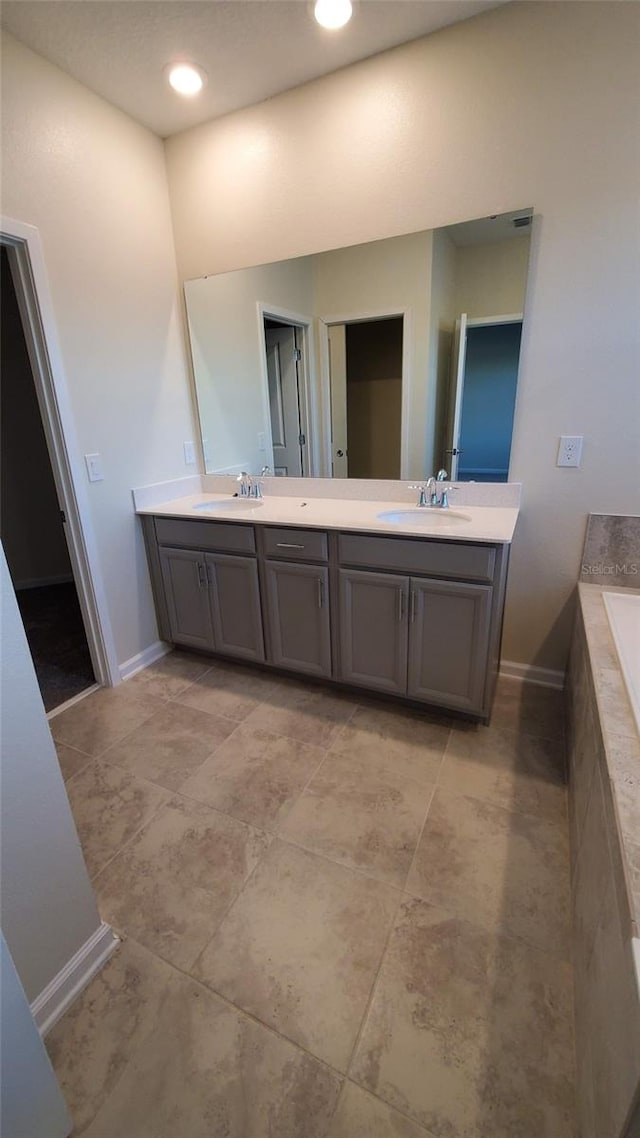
(94, 467)
(189, 453)
(570, 450)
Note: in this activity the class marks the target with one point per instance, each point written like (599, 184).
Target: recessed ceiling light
(333, 13)
(186, 78)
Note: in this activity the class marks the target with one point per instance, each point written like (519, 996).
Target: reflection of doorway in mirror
(365, 371)
(483, 396)
(285, 360)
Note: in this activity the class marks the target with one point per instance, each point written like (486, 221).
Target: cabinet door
(448, 642)
(235, 605)
(373, 630)
(185, 584)
(299, 617)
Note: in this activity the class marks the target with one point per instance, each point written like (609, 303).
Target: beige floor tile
(229, 690)
(402, 741)
(171, 745)
(529, 708)
(147, 1053)
(362, 816)
(517, 771)
(109, 806)
(505, 870)
(302, 711)
(95, 1040)
(468, 1033)
(210, 1072)
(173, 884)
(171, 675)
(103, 718)
(360, 1115)
(71, 761)
(255, 776)
(300, 949)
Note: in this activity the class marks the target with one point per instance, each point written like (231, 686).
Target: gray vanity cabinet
(373, 630)
(298, 614)
(184, 576)
(234, 595)
(213, 602)
(448, 642)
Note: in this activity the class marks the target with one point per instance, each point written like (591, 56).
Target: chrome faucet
(428, 496)
(250, 487)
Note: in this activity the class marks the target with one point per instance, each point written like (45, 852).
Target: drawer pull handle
(320, 593)
(288, 545)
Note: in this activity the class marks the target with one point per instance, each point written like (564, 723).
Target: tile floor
(340, 918)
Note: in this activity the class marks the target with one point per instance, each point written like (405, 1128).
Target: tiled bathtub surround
(612, 551)
(604, 816)
(342, 918)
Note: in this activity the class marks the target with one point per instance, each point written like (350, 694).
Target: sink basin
(423, 516)
(236, 504)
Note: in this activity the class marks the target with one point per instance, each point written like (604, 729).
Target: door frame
(306, 382)
(454, 416)
(367, 317)
(31, 283)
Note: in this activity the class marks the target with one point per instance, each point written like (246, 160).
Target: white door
(338, 386)
(284, 407)
(458, 360)
(31, 1101)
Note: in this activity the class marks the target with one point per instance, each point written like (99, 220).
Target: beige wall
(392, 146)
(93, 183)
(48, 906)
(491, 279)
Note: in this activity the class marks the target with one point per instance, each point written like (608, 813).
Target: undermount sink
(424, 516)
(234, 504)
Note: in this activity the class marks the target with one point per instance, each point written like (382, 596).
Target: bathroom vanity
(404, 607)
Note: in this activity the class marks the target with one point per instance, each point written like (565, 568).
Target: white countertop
(460, 523)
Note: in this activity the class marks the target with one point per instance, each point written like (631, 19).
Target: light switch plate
(189, 453)
(261, 445)
(94, 467)
(570, 450)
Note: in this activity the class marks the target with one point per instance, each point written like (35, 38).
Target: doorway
(31, 526)
(284, 350)
(366, 377)
(483, 398)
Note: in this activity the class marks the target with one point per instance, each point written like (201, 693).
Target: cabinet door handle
(412, 614)
(401, 600)
(288, 545)
(320, 593)
(201, 575)
(210, 574)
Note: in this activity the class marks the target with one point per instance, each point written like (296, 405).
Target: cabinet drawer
(418, 555)
(295, 544)
(223, 536)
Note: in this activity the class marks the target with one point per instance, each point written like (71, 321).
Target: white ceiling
(250, 49)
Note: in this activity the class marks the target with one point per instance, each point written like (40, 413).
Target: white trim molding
(33, 293)
(149, 655)
(532, 674)
(59, 994)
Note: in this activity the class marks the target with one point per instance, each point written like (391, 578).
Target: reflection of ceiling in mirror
(484, 230)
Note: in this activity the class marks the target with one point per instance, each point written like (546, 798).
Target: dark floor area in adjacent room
(57, 640)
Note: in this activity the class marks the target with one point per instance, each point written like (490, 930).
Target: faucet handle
(446, 490)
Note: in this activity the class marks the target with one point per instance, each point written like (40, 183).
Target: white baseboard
(41, 582)
(74, 699)
(143, 659)
(59, 994)
(531, 674)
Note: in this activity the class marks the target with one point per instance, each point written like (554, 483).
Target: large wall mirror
(384, 360)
